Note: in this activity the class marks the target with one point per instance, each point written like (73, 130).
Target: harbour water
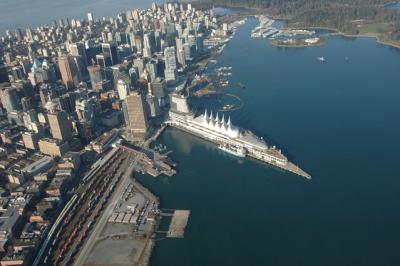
(338, 120)
(24, 13)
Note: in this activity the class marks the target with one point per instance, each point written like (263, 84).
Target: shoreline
(335, 31)
(273, 43)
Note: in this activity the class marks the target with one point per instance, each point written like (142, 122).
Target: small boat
(321, 59)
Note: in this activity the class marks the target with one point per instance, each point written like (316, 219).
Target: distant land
(373, 18)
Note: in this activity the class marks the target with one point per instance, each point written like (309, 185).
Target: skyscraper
(104, 60)
(95, 75)
(90, 18)
(69, 71)
(147, 43)
(152, 69)
(60, 125)
(78, 51)
(158, 87)
(170, 58)
(135, 113)
(9, 98)
(3, 73)
(111, 49)
(122, 89)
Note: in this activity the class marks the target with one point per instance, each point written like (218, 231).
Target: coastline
(339, 33)
(335, 31)
(274, 43)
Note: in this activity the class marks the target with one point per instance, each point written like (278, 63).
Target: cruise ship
(229, 138)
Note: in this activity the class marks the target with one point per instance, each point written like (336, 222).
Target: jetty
(178, 224)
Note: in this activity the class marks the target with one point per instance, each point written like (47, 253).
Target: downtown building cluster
(69, 89)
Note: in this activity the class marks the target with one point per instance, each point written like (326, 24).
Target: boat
(321, 59)
(236, 151)
(227, 107)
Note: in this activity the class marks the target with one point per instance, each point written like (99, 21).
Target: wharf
(178, 224)
(155, 136)
(290, 167)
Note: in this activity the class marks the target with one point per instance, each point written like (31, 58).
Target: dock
(155, 136)
(178, 224)
(297, 170)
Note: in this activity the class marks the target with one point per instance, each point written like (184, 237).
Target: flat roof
(42, 162)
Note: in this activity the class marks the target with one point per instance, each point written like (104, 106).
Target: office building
(69, 70)
(111, 49)
(95, 75)
(170, 58)
(136, 115)
(9, 98)
(3, 73)
(60, 125)
(53, 147)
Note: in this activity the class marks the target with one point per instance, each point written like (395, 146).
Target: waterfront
(338, 120)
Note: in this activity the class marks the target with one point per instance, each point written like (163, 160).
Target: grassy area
(374, 28)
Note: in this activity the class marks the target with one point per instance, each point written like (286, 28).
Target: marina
(284, 37)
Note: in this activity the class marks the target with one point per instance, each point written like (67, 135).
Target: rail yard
(78, 217)
(108, 208)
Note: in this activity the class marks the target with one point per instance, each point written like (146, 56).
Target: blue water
(24, 13)
(394, 5)
(338, 120)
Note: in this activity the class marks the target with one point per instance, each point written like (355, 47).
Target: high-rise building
(111, 49)
(152, 102)
(66, 102)
(136, 114)
(118, 72)
(189, 51)
(3, 73)
(78, 51)
(95, 75)
(152, 69)
(122, 89)
(104, 60)
(53, 147)
(200, 43)
(182, 57)
(147, 45)
(31, 140)
(90, 18)
(158, 87)
(170, 58)
(170, 75)
(60, 125)
(9, 98)
(69, 71)
(139, 64)
(85, 109)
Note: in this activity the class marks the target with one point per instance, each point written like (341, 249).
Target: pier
(155, 136)
(290, 167)
(178, 224)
